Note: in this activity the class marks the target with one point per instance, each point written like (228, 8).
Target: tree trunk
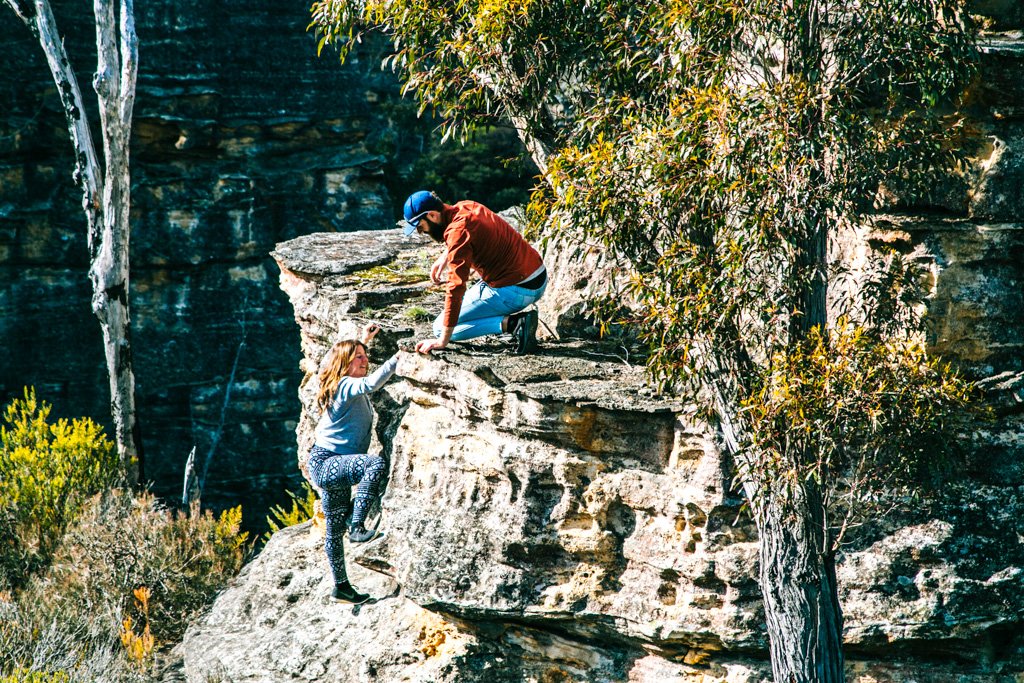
(116, 69)
(797, 572)
(798, 585)
(105, 197)
(797, 564)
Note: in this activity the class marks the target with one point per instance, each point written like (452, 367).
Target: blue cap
(417, 206)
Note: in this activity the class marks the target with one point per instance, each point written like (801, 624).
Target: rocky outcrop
(553, 519)
(550, 518)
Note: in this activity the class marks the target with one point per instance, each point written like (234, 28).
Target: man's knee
(438, 326)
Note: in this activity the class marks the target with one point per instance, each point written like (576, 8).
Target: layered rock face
(242, 138)
(549, 518)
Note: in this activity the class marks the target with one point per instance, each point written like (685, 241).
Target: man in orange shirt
(512, 275)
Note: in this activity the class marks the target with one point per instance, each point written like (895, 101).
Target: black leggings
(335, 475)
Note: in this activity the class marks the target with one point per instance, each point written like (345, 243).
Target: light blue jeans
(484, 307)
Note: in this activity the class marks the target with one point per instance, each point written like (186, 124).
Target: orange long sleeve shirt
(481, 240)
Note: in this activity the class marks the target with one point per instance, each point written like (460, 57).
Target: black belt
(535, 282)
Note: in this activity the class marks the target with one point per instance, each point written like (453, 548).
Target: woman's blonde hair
(339, 358)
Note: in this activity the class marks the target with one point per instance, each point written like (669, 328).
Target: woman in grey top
(339, 459)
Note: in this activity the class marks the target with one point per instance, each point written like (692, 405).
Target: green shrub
(393, 274)
(26, 676)
(47, 471)
(302, 509)
(418, 313)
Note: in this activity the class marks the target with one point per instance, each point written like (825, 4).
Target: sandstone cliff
(550, 519)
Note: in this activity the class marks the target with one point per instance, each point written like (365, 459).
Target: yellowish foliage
(302, 509)
(138, 646)
(48, 469)
(27, 676)
(847, 408)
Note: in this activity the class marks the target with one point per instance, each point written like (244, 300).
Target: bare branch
(24, 10)
(129, 62)
(88, 174)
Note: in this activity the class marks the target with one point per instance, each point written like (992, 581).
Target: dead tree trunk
(105, 188)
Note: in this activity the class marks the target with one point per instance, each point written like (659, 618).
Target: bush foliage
(122, 576)
(29, 676)
(303, 508)
(47, 472)
(127, 572)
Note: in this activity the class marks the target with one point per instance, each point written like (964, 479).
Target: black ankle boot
(344, 592)
(357, 534)
(524, 331)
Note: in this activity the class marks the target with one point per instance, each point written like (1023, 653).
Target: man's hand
(370, 331)
(428, 345)
(437, 271)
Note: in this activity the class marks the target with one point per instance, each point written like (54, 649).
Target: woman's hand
(370, 331)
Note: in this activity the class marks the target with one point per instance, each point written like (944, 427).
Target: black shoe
(525, 333)
(361, 535)
(344, 592)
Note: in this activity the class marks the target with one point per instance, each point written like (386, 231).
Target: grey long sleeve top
(345, 426)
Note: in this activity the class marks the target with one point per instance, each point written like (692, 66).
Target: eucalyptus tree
(105, 183)
(718, 147)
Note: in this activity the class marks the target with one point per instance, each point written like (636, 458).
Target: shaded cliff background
(242, 138)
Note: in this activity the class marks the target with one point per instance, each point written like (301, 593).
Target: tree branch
(129, 63)
(24, 10)
(88, 173)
